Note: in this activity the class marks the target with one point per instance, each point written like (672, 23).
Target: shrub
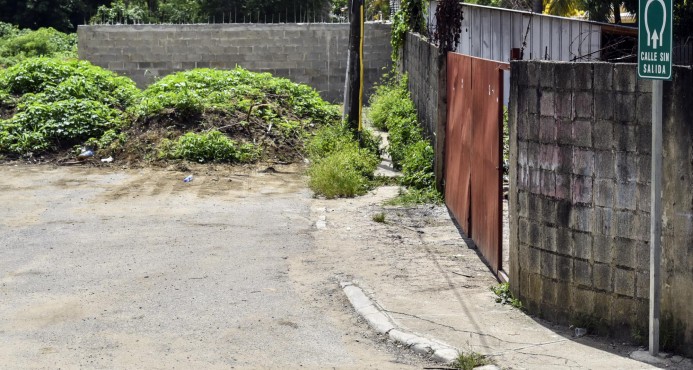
(17, 45)
(211, 146)
(339, 167)
(387, 99)
(344, 173)
(260, 94)
(392, 109)
(61, 103)
(417, 171)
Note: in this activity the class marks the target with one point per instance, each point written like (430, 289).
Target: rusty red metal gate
(473, 151)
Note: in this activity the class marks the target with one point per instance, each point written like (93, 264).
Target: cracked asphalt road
(101, 268)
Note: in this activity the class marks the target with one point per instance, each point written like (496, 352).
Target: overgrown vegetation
(393, 110)
(50, 106)
(505, 296)
(339, 166)
(19, 44)
(468, 361)
(409, 18)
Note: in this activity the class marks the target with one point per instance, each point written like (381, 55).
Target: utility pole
(353, 91)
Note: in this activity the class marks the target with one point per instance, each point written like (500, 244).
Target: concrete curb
(382, 323)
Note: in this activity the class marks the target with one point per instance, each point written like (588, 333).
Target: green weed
(505, 296)
(468, 361)
(379, 217)
(211, 146)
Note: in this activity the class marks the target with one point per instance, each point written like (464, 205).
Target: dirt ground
(240, 268)
(113, 268)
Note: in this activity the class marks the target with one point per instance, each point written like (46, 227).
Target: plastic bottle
(188, 179)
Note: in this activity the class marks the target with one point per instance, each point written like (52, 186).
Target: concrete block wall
(419, 61)
(314, 54)
(580, 197)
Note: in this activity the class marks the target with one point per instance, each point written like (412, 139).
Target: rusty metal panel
(473, 155)
(458, 139)
(487, 154)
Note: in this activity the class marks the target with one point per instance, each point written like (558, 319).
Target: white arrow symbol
(654, 39)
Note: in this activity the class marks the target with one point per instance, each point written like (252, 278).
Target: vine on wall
(410, 17)
(449, 16)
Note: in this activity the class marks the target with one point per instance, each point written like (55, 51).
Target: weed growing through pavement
(505, 296)
(468, 361)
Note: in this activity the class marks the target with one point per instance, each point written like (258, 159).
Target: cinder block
(563, 74)
(548, 157)
(534, 265)
(583, 301)
(602, 135)
(603, 194)
(532, 95)
(550, 239)
(546, 105)
(603, 106)
(644, 109)
(626, 167)
(601, 273)
(643, 138)
(624, 77)
(623, 252)
(565, 159)
(547, 129)
(625, 108)
(642, 255)
(548, 265)
(564, 131)
(602, 247)
(564, 241)
(535, 180)
(602, 305)
(547, 210)
(563, 101)
(548, 183)
(581, 218)
(533, 74)
(582, 133)
(583, 162)
(642, 284)
(582, 273)
(563, 210)
(624, 136)
(604, 165)
(584, 104)
(582, 76)
(643, 197)
(547, 73)
(603, 76)
(626, 197)
(581, 189)
(535, 235)
(562, 187)
(623, 224)
(602, 220)
(533, 127)
(582, 245)
(644, 164)
(624, 282)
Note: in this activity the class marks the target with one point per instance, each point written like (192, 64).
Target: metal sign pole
(655, 37)
(656, 215)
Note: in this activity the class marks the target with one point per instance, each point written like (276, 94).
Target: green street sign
(655, 39)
